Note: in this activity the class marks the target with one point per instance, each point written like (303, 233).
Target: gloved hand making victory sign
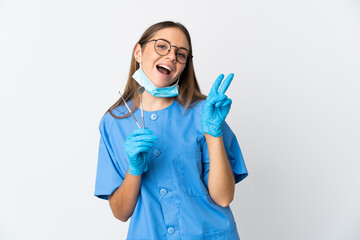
(217, 106)
(137, 146)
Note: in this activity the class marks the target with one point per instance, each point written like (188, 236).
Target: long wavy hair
(189, 90)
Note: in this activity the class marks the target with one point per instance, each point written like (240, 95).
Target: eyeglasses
(163, 47)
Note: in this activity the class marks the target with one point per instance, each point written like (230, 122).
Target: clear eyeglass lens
(182, 55)
(162, 47)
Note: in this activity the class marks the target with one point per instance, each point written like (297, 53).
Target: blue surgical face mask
(143, 80)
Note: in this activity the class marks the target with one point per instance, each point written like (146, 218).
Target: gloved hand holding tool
(137, 146)
(217, 106)
(138, 143)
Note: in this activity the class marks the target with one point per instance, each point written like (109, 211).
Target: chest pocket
(191, 174)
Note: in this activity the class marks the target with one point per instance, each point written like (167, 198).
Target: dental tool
(129, 110)
(140, 91)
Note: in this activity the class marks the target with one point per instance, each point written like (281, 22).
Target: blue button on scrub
(163, 192)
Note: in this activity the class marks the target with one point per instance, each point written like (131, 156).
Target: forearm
(124, 199)
(221, 181)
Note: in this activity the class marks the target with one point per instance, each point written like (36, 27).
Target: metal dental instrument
(140, 91)
(129, 110)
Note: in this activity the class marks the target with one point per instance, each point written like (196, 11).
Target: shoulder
(108, 119)
(197, 107)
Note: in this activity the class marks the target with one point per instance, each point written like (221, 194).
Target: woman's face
(150, 60)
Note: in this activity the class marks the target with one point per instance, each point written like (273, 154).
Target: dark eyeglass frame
(177, 49)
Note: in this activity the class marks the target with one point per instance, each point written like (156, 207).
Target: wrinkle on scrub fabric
(174, 201)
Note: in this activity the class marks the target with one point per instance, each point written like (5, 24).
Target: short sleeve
(233, 153)
(108, 175)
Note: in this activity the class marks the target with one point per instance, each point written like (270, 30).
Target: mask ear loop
(177, 84)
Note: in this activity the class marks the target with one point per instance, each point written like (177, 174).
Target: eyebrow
(174, 45)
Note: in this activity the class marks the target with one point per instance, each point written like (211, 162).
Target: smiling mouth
(163, 70)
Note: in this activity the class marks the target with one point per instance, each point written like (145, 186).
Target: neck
(151, 103)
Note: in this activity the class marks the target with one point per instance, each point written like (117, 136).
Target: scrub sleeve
(233, 153)
(109, 175)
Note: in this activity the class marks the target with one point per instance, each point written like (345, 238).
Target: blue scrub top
(174, 202)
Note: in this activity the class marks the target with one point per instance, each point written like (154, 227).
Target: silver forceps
(140, 90)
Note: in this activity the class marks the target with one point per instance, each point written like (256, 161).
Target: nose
(172, 54)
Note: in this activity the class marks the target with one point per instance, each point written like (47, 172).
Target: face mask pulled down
(143, 80)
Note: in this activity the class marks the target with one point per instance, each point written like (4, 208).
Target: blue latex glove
(137, 146)
(217, 106)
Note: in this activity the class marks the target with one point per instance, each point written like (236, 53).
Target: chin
(162, 84)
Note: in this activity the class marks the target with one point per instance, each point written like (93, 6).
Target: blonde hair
(189, 90)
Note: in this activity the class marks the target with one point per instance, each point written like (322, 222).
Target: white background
(295, 110)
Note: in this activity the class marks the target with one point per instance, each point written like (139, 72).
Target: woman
(176, 177)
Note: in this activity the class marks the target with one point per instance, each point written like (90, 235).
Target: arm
(123, 200)
(221, 181)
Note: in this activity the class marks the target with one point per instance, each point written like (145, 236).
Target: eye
(161, 46)
(181, 55)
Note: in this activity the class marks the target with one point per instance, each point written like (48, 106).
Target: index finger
(226, 83)
(217, 83)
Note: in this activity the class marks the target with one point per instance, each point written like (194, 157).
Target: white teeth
(166, 67)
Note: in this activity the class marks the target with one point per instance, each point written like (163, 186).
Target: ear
(136, 52)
